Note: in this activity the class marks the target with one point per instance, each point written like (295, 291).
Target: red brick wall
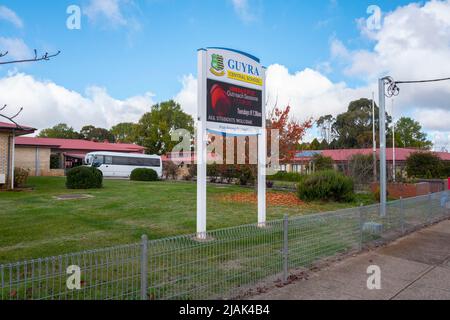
(405, 190)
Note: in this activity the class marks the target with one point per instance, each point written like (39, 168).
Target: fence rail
(225, 264)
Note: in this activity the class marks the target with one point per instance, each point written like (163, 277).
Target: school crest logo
(217, 66)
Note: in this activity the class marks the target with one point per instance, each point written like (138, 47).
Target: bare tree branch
(45, 57)
(11, 118)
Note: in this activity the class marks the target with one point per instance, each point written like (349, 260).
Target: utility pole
(382, 120)
(374, 139)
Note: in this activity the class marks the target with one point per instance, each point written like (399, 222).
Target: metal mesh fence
(227, 262)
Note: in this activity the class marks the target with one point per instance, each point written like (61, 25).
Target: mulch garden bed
(273, 199)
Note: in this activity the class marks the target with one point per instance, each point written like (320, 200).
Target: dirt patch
(273, 199)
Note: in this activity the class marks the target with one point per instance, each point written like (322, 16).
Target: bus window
(108, 160)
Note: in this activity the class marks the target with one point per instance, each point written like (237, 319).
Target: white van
(120, 165)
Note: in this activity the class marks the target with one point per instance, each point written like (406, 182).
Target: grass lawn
(34, 224)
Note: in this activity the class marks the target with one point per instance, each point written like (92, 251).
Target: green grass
(33, 224)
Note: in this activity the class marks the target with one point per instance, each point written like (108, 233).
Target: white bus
(120, 165)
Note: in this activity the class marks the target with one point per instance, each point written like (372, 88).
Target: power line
(392, 88)
(423, 81)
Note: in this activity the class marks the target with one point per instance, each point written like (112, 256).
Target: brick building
(36, 154)
(8, 134)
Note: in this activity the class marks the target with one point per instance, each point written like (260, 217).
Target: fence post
(361, 227)
(285, 247)
(144, 261)
(430, 207)
(402, 216)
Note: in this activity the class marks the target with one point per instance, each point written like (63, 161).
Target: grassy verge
(34, 224)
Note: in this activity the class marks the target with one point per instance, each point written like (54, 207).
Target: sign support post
(201, 156)
(231, 101)
(262, 159)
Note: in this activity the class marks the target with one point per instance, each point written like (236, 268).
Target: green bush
(84, 178)
(212, 171)
(286, 176)
(424, 165)
(322, 163)
(326, 185)
(20, 177)
(143, 174)
(245, 174)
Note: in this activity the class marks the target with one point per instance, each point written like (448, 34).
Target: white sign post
(231, 100)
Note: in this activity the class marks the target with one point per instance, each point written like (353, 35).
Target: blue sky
(129, 60)
(130, 54)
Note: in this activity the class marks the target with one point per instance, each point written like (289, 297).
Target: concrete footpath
(415, 267)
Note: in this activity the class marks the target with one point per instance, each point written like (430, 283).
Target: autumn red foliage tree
(290, 130)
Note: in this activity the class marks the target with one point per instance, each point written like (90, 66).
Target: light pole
(374, 139)
(382, 120)
(393, 142)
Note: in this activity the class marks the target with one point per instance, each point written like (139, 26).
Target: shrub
(361, 168)
(84, 178)
(212, 171)
(20, 177)
(286, 176)
(326, 185)
(322, 163)
(170, 170)
(227, 172)
(192, 172)
(54, 161)
(143, 174)
(424, 165)
(245, 174)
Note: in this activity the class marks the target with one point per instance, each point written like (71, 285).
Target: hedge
(84, 178)
(326, 185)
(143, 174)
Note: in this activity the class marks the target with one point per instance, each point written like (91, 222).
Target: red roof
(401, 154)
(75, 144)
(20, 129)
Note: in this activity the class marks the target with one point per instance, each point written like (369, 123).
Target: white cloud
(45, 104)
(187, 97)
(9, 15)
(308, 92)
(111, 11)
(244, 10)
(16, 47)
(412, 44)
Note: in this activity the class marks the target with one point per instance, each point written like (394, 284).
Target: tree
(62, 131)
(361, 168)
(170, 170)
(124, 132)
(408, 134)
(424, 165)
(92, 133)
(353, 128)
(291, 131)
(155, 127)
(314, 145)
(325, 124)
(324, 145)
(322, 162)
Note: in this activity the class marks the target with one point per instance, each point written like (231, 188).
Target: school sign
(231, 101)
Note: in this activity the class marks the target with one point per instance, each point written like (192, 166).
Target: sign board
(234, 92)
(231, 100)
